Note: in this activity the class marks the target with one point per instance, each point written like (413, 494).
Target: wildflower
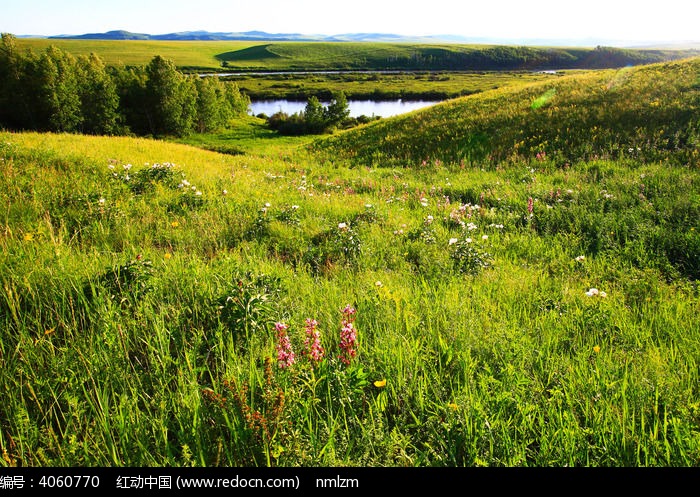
(594, 292)
(484, 237)
(453, 406)
(167, 256)
(28, 237)
(285, 354)
(378, 284)
(468, 240)
(175, 224)
(380, 383)
(596, 349)
(429, 220)
(312, 344)
(580, 258)
(471, 226)
(101, 201)
(530, 205)
(224, 192)
(342, 226)
(348, 335)
(126, 167)
(453, 241)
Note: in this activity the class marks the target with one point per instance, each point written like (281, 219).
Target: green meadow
(505, 279)
(323, 56)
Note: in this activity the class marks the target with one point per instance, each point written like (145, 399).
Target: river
(369, 108)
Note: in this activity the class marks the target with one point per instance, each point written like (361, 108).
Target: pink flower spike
(312, 344)
(285, 354)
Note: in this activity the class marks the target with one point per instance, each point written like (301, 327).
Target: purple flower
(348, 336)
(312, 344)
(285, 354)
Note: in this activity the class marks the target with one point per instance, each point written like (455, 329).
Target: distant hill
(357, 37)
(220, 36)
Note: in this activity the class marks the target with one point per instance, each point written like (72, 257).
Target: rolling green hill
(281, 56)
(644, 111)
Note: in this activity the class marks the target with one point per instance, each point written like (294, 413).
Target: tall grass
(639, 113)
(141, 307)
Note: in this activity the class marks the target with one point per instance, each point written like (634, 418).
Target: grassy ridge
(190, 54)
(526, 315)
(280, 56)
(646, 111)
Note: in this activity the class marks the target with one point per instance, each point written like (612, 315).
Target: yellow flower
(453, 406)
(380, 383)
(167, 255)
(596, 349)
(174, 224)
(28, 237)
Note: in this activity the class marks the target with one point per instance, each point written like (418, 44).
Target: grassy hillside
(281, 56)
(643, 112)
(531, 314)
(189, 54)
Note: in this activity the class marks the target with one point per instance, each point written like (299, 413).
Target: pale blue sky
(627, 21)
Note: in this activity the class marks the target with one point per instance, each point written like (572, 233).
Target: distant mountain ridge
(357, 37)
(238, 36)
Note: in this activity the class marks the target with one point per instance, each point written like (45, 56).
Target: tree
(170, 98)
(99, 101)
(337, 111)
(52, 87)
(314, 116)
(210, 114)
(131, 89)
(13, 105)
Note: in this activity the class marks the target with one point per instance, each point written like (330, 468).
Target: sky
(629, 22)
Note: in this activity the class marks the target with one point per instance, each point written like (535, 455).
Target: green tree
(212, 111)
(131, 89)
(98, 97)
(338, 110)
(237, 102)
(314, 116)
(11, 102)
(57, 96)
(170, 99)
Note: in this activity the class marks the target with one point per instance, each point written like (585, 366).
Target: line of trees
(56, 91)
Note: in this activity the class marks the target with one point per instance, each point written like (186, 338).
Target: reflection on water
(357, 108)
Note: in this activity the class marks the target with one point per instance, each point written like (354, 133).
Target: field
(323, 56)
(506, 279)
